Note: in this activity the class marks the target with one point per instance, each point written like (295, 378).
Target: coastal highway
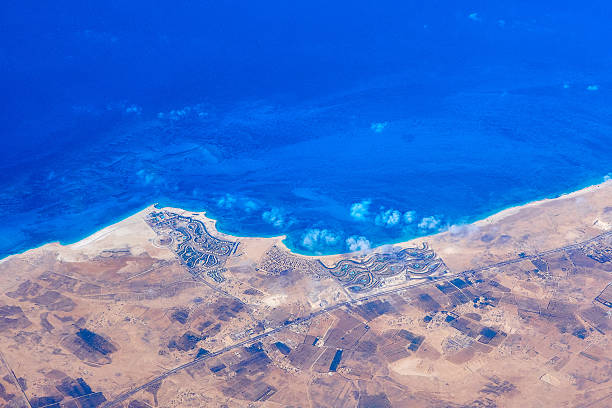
(127, 394)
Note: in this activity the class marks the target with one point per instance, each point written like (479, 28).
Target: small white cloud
(501, 23)
(277, 218)
(388, 218)
(250, 206)
(409, 216)
(315, 238)
(608, 177)
(146, 176)
(592, 87)
(124, 107)
(474, 17)
(81, 109)
(361, 209)
(135, 109)
(429, 223)
(184, 112)
(100, 37)
(227, 201)
(566, 85)
(463, 230)
(378, 127)
(358, 243)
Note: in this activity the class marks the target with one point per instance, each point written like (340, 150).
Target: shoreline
(507, 212)
(488, 220)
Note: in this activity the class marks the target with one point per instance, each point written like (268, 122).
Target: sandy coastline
(500, 215)
(604, 188)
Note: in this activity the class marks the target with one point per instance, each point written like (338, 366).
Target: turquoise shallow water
(340, 127)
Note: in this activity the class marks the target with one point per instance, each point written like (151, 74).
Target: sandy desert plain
(162, 310)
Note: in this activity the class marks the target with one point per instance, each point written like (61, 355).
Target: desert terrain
(163, 310)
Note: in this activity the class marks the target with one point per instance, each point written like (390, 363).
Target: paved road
(127, 394)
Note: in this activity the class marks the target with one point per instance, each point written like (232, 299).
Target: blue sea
(343, 125)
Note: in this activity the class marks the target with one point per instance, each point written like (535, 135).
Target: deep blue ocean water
(341, 124)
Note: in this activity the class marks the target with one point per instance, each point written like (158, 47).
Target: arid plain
(162, 310)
